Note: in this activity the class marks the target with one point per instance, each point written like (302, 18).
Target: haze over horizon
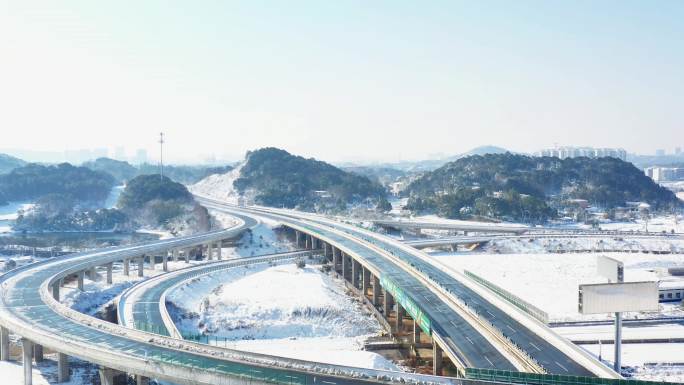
(350, 81)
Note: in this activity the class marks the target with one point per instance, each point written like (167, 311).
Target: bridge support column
(210, 251)
(387, 303)
(186, 254)
(400, 318)
(92, 274)
(153, 261)
(416, 332)
(141, 380)
(110, 270)
(55, 291)
(107, 376)
(81, 274)
(127, 267)
(165, 262)
(4, 344)
(336, 258)
(307, 242)
(355, 273)
(27, 357)
(345, 266)
(38, 353)
(436, 359)
(141, 266)
(219, 250)
(298, 238)
(326, 250)
(175, 255)
(376, 291)
(366, 280)
(62, 367)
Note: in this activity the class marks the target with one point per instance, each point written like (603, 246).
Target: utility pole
(161, 155)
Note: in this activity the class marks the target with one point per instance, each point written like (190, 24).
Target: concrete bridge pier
(376, 291)
(387, 303)
(366, 280)
(4, 344)
(219, 250)
(141, 266)
(307, 242)
(399, 325)
(27, 358)
(336, 258)
(38, 353)
(345, 266)
(326, 250)
(153, 261)
(186, 255)
(165, 262)
(175, 255)
(436, 359)
(210, 251)
(62, 367)
(80, 274)
(416, 332)
(107, 376)
(92, 274)
(355, 273)
(126, 267)
(141, 380)
(55, 291)
(298, 238)
(314, 243)
(110, 270)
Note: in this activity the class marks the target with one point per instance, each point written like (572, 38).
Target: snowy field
(649, 362)
(609, 243)
(281, 310)
(550, 281)
(657, 224)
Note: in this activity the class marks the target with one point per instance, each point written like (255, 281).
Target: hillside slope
(515, 186)
(274, 177)
(9, 163)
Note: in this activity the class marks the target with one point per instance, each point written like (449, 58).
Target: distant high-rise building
(589, 152)
(140, 156)
(660, 152)
(119, 153)
(99, 153)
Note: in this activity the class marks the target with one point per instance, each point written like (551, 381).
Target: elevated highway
(461, 321)
(455, 307)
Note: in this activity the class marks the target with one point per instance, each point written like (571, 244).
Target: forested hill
(9, 163)
(511, 185)
(34, 181)
(278, 178)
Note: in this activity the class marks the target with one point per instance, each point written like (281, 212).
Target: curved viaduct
(461, 321)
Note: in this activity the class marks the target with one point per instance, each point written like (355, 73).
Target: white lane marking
(535, 346)
(488, 312)
(509, 326)
(469, 340)
(563, 367)
(490, 362)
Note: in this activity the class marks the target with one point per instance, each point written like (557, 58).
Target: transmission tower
(161, 155)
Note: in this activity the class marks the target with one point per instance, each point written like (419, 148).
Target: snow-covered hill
(219, 186)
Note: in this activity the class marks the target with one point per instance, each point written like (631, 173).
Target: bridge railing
(510, 297)
(546, 379)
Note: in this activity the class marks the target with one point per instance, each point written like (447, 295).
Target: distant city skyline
(344, 81)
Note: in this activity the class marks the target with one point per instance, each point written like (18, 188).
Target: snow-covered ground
(657, 224)
(219, 185)
(281, 310)
(45, 373)
(608, 243)
(550, 281)
(650, 362)
(607, 332)
(113, 196)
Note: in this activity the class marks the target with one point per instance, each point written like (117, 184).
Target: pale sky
(341, 80)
